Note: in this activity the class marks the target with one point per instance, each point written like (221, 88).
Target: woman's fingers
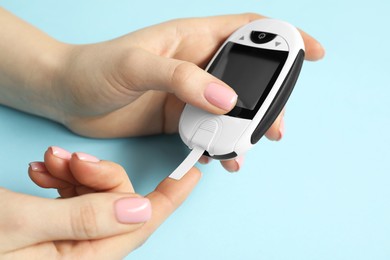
(41, 176)
(80, 174)
(31, 220)
(233, 165)
(99, 175)
(313, 49)
(165, 199)
(187, 81)
(276, 130)
(191, 86)
(57, 163)
(168, 196)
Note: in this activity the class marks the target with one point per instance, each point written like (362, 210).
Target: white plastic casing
(222, 134)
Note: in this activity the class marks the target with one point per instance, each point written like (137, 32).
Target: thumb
(186, 80)
(29, 220)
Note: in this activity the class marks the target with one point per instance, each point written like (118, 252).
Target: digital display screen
(250, 71)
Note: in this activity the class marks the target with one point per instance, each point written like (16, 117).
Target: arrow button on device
(277, 44)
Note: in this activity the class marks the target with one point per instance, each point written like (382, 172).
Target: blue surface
(321, 193)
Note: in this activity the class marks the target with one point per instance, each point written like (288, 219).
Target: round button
(262, 37)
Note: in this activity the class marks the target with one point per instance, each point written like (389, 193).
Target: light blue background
(321, 193)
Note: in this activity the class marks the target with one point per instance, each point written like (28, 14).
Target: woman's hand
(130, 86)
(99, 217)
(137, 84)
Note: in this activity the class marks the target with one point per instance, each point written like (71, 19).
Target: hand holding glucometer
(261, 61)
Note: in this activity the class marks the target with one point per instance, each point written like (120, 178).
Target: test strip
(187, 164)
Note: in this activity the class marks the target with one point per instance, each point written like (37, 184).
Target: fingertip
(314, 50)
(204, 159)
(189, 180)
(275, 133)
(81, 162)
(240, 162)
(99, 174)
(281, 128)
(168, 196)
(39, 174)
(233, 165)
(277, 129)
(84, 157)
(178, 190)
(85, 171)
(220, 96)
(320, 50)
(57, 162)
(37, 167)
(193, 176)
(59, 152)
(194, 86)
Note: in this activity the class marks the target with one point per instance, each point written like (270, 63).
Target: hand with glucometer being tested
(137, 86)
(261, 61)
(134, 85)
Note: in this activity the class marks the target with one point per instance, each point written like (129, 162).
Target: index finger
(165, 199)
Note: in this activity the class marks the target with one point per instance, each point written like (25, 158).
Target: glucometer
(261, 61)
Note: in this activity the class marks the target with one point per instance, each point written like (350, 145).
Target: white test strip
(186, 165)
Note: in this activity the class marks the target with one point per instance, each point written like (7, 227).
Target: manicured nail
(133, 210)
(220, 96)
(38, 166)
(281, 128)
(87, 157)
(240, 161)
(60, 153)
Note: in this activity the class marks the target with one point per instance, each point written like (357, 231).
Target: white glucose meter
(261, 61)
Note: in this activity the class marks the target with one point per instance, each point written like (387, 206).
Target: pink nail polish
(87, 157)
(60, 153)
(240, 161)
(133, 210)
(281, 128)
(38, 167)
(220, 96)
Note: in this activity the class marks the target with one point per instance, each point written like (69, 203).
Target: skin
(134, 85)
(96, 90)
(82, 184)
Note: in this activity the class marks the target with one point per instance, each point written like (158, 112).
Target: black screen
(251, 72)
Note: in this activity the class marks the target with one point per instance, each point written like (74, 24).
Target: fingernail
(133, 210)
(220, 96)
(87, 157)
(38, 167)
(281, 128)
(60, 153)
(240, 161)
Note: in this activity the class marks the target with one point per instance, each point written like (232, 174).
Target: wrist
(44, 80)
(29, 63)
